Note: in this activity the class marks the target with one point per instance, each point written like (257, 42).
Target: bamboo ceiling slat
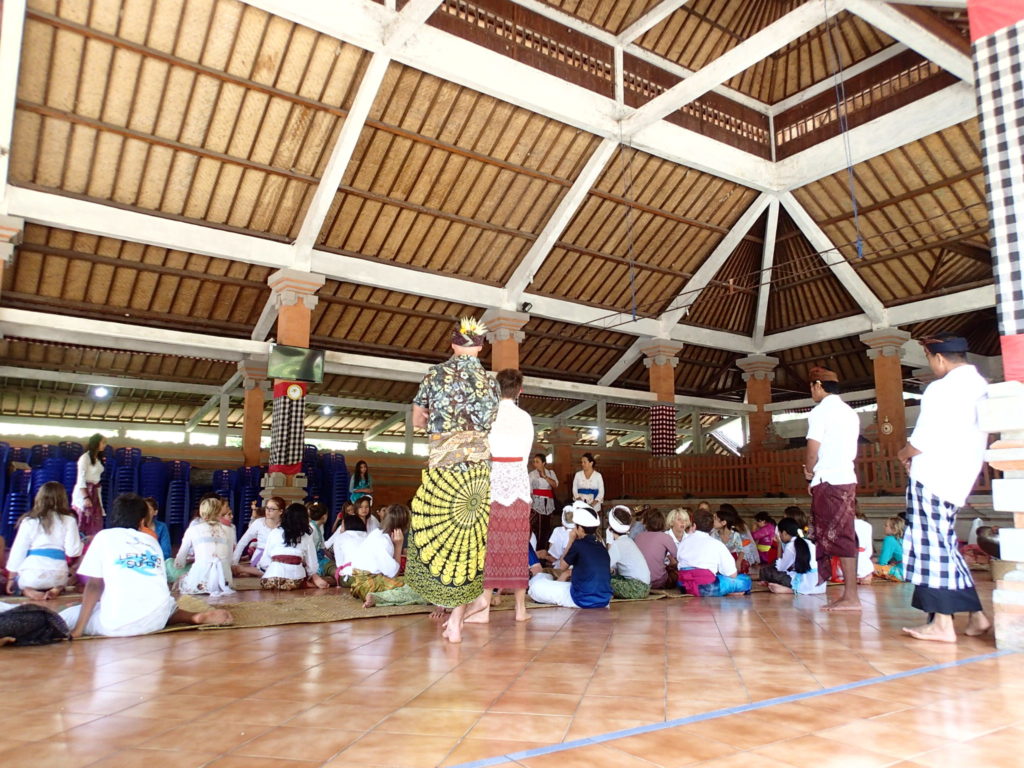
(612, 15)
(588, 352)
(919, 205)
(591, 262)
(451, 194)
(847, 357)
(125, 104)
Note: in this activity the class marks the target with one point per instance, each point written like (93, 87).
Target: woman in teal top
(890, 561)
(360, 484)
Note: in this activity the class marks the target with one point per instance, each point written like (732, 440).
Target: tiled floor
(390, 692)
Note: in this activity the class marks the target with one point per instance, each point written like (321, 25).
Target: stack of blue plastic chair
(153, 479)
(225, 482)
(248, 492)
(19, 454)
(107, 479)
(17, 501)
(41, 453)
(338, 482)
(311, 469)
(51, 470)
(178, 506)
(70, 451)
(5, 458)
(70, 477)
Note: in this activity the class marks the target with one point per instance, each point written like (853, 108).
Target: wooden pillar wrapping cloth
(288, 430)
(997, 32)
(664, 438)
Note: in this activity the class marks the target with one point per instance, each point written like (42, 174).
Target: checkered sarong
(287, 434)
(930, 547)
(999, 75)
(664, 437)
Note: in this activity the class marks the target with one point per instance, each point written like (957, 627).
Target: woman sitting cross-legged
(46, 538)
(797, 569)
(706, 567)
(378, 559)
(590, 585)
(290, 553)
(212, 542)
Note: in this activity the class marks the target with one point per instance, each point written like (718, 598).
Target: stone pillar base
(291, 488)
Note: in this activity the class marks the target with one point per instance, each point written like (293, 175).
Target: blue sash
(53, 554)
(589, 491)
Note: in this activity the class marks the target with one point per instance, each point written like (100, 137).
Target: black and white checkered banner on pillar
(664, 438)
(288, 427)
(997, 29)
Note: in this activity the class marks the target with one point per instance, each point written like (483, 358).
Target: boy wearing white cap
(631, 578)
(590, 585)
(559, 541)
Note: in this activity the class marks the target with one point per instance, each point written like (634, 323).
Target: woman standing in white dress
(212, 542)
(588, 485)
(85, 497)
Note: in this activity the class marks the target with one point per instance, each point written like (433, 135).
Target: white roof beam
(357, 403)
(765, 281)
(709, 268)
(829, 83)
(732, 62)
(12, 27)
(563, 214)
(902, 27)
(384, 425)
(905, 125)
(268, 317)
(651, 19)
(841, 268)
(621, 365)
(215, 400)
(117, 382)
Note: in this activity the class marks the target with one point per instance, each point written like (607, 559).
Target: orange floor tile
(389, 692)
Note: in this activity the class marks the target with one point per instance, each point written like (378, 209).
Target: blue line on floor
(653, 727)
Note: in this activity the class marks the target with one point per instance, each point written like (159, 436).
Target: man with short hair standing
(832, 432)
(943, 457)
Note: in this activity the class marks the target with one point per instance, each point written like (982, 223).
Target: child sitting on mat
(212, 543)
(631, 578)
(890, 561)
(764, 535)
(797, 569)
(46, 538)
(375, 565)
(659, 550)
(125, 568)
(291, 559)
(590, 585)
(706, 567)
(266, 520)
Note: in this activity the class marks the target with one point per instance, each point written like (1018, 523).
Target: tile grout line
(654, 727)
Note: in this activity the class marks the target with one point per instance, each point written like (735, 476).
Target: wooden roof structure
(626, 169)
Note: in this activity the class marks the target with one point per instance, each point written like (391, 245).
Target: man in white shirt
(832, 432)
(706, 566)
(943, 457)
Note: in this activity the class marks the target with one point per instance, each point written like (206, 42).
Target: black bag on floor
(31, 624)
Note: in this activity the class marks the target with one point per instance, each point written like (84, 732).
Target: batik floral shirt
(460, 396)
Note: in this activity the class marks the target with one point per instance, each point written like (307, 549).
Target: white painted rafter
(709, 268)
(12, 27)
(765, 280)
(216, 400)
(621, 365)
(901, 27)
(268, 316)
(384, 425)
(649, 20)
(837, 263)
(559, 220)
(731, 63)
(113, 382)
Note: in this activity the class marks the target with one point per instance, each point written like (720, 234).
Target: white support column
(410, 432)
(602, 424)
(731, 63)
(903, 28)
(222, 420)
(12, 27)
(559, 220)
(707, 271)
(767, 259)
(841, 268)
(651, 19)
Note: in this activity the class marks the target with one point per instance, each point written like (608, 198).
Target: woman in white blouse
(85, 498)
(212, 543)
(588, 485)
(292, 559)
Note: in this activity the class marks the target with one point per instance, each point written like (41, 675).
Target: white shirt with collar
(700, 550)
(952, 447)
(836, 427)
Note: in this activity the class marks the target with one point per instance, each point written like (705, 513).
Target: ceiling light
(327, 410)
(100, 392)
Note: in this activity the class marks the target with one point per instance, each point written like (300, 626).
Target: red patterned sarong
(833, 510)
(508, 545)
(90, 519)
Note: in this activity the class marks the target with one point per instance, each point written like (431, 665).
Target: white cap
(584, 515)
(614, 524)
(567, 511)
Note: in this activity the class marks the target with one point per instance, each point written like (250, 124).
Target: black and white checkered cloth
(930, 547)
(999, 75)
(664, 437)
(287, 431)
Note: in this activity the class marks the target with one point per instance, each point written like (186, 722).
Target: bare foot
(495, 600)
(866, 581)
(778, 589)
(217, 616)
(33, 594)
(453, 634)
(438, 613)
(931, 632)
(370, 601)
(524, 616)
(53, 594)
(7, 640)
(479, 617)
(978, 625)
(843, 605)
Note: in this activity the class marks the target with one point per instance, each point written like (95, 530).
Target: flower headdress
(470, 333)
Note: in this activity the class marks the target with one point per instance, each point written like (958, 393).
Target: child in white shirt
(212, 542)
(376, 563)
(559, 541)
(47, 537)
(797, 569)
(631, 577)
(290, 556)
(259, 531)
(125, 568)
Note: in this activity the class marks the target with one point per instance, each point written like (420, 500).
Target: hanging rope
(838, 76)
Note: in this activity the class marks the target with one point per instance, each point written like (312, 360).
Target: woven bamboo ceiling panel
(701, 370)
(54, 400)
(703, 30)
(922, 216)
(144, 106)
(847, 357)
(90, 276)
(451, 181)
(109, 362)
(612, 15)
(569, 351)
(337, 385)
(646, 225)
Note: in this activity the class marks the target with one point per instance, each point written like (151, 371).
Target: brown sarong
(833, 510)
